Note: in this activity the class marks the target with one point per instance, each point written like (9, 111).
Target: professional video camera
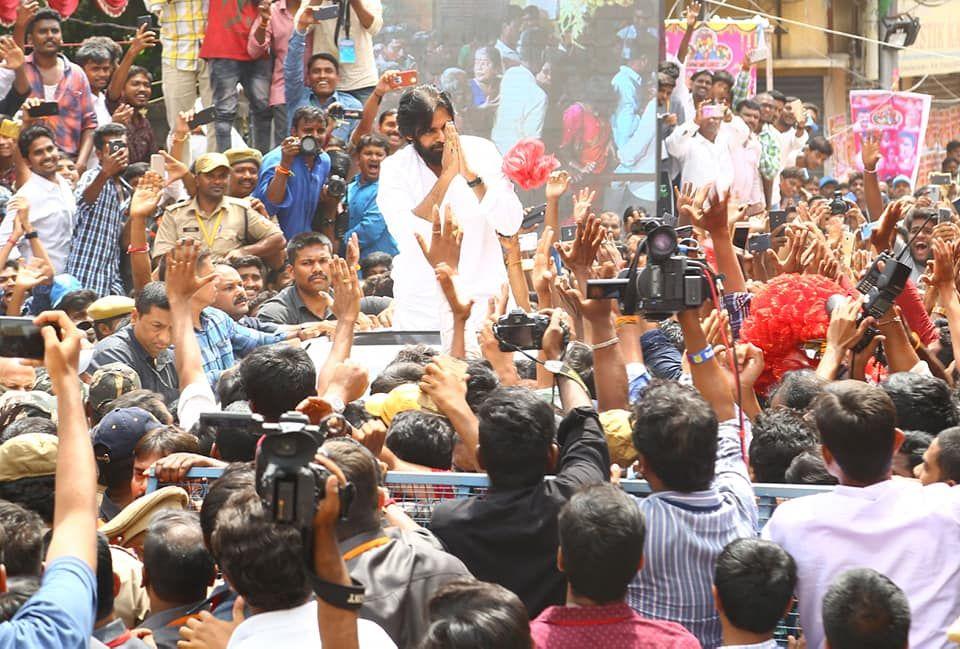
(339, 172)
(288, 482)
(338, 112)
(880, 288)
(519, 330)
(669, 283)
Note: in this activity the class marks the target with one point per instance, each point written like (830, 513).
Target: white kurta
(405, 180)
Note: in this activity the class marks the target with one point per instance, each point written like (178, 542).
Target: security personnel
(108, 312)
(227, 226)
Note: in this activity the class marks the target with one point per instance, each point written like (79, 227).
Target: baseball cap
(243, 154)
(900, 179)
(401, 398)
(119, 431)
(619, 433)
(110, 306)
(109, 382)
(63, 284)
(30, 455)
(827, 180)
(210, 161)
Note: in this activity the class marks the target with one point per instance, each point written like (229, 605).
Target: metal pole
(769, 66)
(888, 56)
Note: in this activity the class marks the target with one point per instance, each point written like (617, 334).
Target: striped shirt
(685, 534)
(183, 24)
(95, 254)
(222, 341)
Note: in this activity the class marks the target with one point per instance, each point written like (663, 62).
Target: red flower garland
(528, 164)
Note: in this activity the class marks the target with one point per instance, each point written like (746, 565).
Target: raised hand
(346, 290)
(544, 271)
(582, 201)
(174, 169)
(445, 381)
(461, 308)
(445, 240)
(11, 53)
(944, 277)
(870, 150)
(146, 196)
(557, 185)
(579, 254)
(691, 13)
(182, 280)
(144, 39)
(26, 11)
(882, 236)
(844, 332)
(114, 163)
(122, 114)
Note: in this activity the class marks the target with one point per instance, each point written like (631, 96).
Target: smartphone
(937, 178)
(158, 164)
(20, 338)
(326, 12)
(944, 215)
(45, 109)
(778, 218)
(10, 129)
(934, 193)
(534, 216)
(568, 233)
(867, 229)
(796, 107)
(740, 233)
(759, 243)
(404, 79)
(150, 20)
(713, 111)
(202, 117)
(115, 145)
(846, 247)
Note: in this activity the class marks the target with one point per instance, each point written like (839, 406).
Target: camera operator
(293, 175)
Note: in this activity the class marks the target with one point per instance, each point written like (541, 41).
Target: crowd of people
(198, 299)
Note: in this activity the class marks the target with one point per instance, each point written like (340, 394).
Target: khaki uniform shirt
(232, 225)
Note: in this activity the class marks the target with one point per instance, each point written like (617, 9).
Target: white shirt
(297, 628)
(52, 214)
(195, 399)
(508, 55)
(523, 106)
(905, 531)
(363, 72)
(405, 180)
(790, 146)
(745, 150)
(701, 161)
(100, 108)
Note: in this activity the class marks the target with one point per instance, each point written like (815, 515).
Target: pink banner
(901, 119)
(717, 45)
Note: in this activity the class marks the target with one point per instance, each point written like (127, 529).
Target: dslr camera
(668, 284)
(518, 330)
(309, 145)
(288, 481)
(838, 205)
(339, 172)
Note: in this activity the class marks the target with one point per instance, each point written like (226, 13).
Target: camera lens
(308, 145)
(286, 446)
(661, 242)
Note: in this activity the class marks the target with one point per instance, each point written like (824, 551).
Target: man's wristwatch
(33, 234)
(476, 182)
(346, 597)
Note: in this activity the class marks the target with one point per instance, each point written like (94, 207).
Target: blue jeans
(254, 76)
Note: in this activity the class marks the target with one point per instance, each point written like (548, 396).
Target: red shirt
(615, 626)
(228, 26)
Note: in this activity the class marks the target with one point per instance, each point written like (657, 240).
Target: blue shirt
(366, 220)
(295, 212)
(298, 94)
(60, 614)
(222, 341)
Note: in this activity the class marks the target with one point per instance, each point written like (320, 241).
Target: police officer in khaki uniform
(227, 226)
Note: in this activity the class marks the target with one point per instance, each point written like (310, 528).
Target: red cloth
(915, 315)
(113, 8)
(613, 625)
(588, 135)
(228, 26)
(65, 7)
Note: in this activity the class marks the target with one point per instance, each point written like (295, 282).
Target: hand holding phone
(202, 117)
(44, 109)
(759, 243)
(21, 338)
(403, 79)
(326, 12)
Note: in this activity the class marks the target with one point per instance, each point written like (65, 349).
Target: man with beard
(50, 76)
(443, 171)
(226, 226)
(244, 169)
(366, 221)
(232, 300)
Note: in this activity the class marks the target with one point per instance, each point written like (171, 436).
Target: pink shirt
(278, 34)
(614, 626)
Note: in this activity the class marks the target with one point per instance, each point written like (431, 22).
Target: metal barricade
(419, 493)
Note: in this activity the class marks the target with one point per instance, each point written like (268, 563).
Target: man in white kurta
(406, 180)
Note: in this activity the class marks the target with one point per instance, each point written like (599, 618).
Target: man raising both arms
(443, 170)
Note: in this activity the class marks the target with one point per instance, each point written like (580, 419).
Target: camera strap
(365, 547)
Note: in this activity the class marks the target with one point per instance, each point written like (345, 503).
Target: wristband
(182, 138)
(869, 171)
(283, 170)
(33, 234)
(131, 249)
(475, 182)
(346, 597)
(701, 356)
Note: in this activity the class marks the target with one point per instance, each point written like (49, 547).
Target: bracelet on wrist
(606, 343)
(33, 234)
(283, 171)
(701, 356)
(132, 250)
(12, 241)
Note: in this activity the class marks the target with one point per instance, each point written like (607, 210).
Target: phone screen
(778, 218)
(740, 236)
(20, 338)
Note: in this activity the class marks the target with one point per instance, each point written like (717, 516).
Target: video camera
(340, 113)
(288, 481)
(880, 288)
(339, 172)
(669, 283)
(518, 330)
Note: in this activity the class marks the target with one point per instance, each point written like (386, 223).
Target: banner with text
(901, 119)
(720, 44)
